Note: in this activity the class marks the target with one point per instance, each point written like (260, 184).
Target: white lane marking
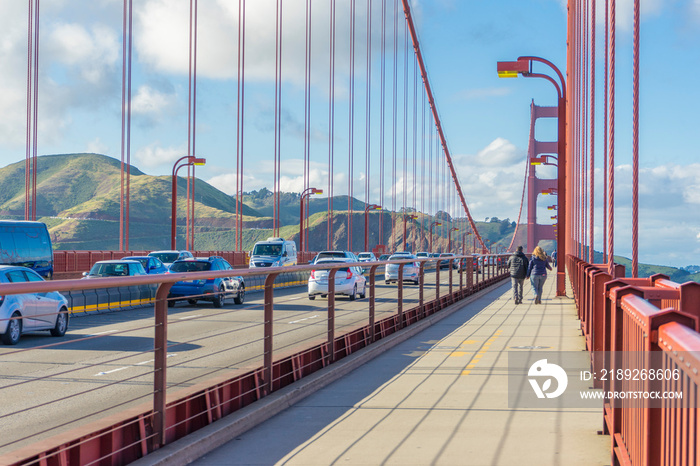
(170, 355)
(191, 317)
(296, 298)
(103, 333)
(305, 318)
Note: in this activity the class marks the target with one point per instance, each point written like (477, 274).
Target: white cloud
(96, 146)
(153, 156)
(151, 102)
(93, 53)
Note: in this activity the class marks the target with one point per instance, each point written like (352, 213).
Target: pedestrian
(517, 263)
(554, 257)
(537, 272)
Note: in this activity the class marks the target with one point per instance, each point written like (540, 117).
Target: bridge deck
(438, 397)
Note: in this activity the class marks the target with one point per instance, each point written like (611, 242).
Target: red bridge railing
(627, 323)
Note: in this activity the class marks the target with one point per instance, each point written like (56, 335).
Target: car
(115, 268)
(349, 280)
(215, 290)
(445, 260)
(273, 252)
(167, 257)
(384, 257)
(29, 312)
(151, 264)
(347, 256)
(411, 270)
(366, 257)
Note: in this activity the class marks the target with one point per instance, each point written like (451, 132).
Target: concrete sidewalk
(440, 397)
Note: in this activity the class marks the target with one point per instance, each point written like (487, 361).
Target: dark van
(26, 244)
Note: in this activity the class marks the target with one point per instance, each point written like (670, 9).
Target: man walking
(517, 263)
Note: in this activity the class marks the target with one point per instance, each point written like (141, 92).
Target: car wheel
(171, 303)
(312, 297)
(13, 331)
(386, 282)
(415, 282)
(354, 293)
(364, 292)
(219, 298)
(240, 297)
(192, 302)
(324, 295)
(61, 323)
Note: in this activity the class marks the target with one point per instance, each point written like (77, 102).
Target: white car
(366, 257)
(348, 280)
(29, 312)
(411, 270)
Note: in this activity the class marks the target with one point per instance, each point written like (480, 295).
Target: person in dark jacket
(537, 272)
(517, 263)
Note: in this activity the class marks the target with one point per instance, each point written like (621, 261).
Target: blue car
(151, 264)
(215, 290)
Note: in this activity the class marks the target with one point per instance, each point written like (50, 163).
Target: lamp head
(511, 69)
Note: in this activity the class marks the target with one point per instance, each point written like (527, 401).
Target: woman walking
(537, 272)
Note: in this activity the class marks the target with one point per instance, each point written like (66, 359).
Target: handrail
(175, 411)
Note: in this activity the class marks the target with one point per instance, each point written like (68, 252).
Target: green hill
(78, 198)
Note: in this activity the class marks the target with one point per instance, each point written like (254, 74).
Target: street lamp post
(449, 238)
(431, 233)
(405, 218)
(523, 66)
(305, 194)
(187, 160)
(367, 209)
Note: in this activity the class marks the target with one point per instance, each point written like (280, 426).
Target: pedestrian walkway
(440, 397)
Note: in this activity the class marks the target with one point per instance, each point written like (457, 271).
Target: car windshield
(190, 266)
(330, 254)
(267, 250)
(167, 257)
(110, 270)
(398, 257)
(143, 260)
(363, 255)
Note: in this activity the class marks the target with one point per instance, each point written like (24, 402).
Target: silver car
(411, 270)
(348, 280)
(29, 312)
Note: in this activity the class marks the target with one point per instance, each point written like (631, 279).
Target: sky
(485, 119)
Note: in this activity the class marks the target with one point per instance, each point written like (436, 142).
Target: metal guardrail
(638, 316)
(176, 409)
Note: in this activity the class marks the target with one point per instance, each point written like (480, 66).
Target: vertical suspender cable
(591, 184)
(239, 125)
(351, 123)
(191, 125)
(278, 104)
(404, 187)
(36, 108)
(303, 246)
(394, 129)
(27, 160)
(127, 212)
(331, 125)
(611, 142)
(368, 102)
(604, 170)
(635, 145)
(382, 119)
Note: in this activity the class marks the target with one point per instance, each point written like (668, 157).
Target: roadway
(435, 394)
(104, 364)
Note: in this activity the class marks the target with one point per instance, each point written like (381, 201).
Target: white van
(274, 252)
